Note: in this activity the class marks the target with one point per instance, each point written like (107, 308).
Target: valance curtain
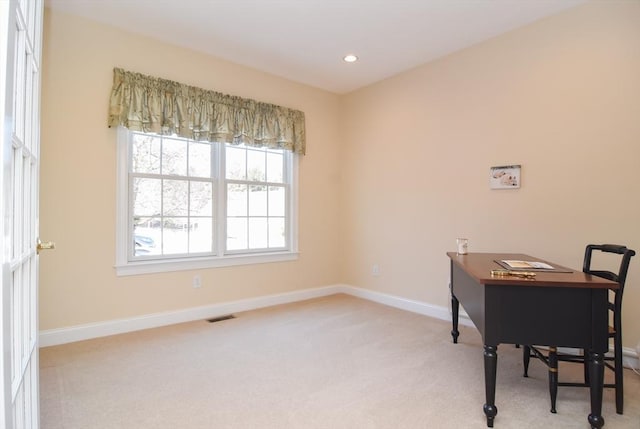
(153, 105)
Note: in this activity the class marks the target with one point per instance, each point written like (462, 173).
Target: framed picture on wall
(505, 177)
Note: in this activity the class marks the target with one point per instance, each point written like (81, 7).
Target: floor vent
(221, 318)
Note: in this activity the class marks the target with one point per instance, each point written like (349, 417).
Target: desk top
(479, 266)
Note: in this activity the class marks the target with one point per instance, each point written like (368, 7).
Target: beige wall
(561, 97)
(78, 283)
(394, 172)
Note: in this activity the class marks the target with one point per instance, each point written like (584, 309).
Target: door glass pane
(16, 321)
(32, 219)
(29, 111)
(26, 308)
(19, 85)
(26, 204)
(16, 202)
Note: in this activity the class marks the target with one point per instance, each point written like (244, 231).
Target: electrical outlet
(375, 270)
(197, 281)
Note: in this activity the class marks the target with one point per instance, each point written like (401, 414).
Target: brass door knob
(47, 245)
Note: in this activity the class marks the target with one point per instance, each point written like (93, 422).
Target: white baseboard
(435, 311)
(53, 337)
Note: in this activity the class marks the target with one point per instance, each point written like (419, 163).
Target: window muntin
(256, 196)
(202, 203)
(172, 192)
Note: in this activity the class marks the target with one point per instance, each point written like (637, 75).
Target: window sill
(168, 265)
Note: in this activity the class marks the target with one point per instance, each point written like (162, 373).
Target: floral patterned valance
(153, 105)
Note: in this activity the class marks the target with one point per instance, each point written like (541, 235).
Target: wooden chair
(614, 362)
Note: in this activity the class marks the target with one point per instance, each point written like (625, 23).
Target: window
(185, 204)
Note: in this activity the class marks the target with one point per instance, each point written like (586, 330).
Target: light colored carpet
(328, 363)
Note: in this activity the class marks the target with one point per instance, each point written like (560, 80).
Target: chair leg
(618, 374)
(553, 377)
(526, 357)
(585, 366)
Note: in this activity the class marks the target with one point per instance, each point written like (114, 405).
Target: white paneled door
(20, 56)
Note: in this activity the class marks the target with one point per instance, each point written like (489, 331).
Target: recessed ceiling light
(350, 58)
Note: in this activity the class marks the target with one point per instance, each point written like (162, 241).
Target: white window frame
(125, 266)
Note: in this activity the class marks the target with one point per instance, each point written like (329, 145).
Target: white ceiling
(305, 40)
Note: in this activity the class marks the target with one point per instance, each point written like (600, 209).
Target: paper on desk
(527, 264)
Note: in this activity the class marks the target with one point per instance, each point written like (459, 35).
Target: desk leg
(596, 376)
(553, 377)
(490, 365)
(455, 305)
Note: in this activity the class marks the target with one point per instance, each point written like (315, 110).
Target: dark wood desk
(555, 308)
